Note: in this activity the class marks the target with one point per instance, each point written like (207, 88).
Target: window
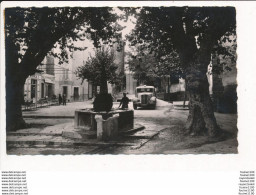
(145, 90)
(66, 74)
(33, 81)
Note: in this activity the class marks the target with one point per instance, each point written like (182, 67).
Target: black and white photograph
(121, 80)
(127, 97)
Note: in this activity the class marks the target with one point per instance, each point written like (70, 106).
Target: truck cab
(145, 96)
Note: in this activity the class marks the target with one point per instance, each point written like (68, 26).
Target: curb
(178, 108)
(93, 134)
(70, 135)
(51, 143)
(73, 134)
(27, 134)
(141, 127)
(80, 135)
(43, 116)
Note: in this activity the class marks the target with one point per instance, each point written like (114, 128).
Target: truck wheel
(135, 106)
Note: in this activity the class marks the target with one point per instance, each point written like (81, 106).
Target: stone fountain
(107, 124)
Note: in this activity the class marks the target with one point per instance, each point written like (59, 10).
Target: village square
(103, 80)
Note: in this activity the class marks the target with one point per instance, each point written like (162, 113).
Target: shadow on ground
(169, 140)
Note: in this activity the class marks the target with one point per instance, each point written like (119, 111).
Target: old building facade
(41, 84)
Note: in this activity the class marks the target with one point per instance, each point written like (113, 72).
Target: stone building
(41, 85)
(66, 82)
(54, 79)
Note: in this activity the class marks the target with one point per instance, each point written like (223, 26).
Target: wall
(65, 73)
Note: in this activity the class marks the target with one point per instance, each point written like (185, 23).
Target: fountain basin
(85, 119)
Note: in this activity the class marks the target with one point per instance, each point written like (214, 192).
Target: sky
(129, 26)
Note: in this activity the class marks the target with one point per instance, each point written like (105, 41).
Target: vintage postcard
(125, 83)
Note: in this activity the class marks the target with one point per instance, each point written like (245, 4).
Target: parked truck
(145, 96)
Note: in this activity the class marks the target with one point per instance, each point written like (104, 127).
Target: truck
(145, 96)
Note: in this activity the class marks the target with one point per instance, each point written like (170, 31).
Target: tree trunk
(201, 119)
(185, 97)
(103, 81)
(15, 80)
(103, 101)
(14, 100)
(104, 87)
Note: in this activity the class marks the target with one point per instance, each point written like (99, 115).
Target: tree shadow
(36, 125)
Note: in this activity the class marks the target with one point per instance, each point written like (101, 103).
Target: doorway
(33, 88)
(65, 90)
(42, 90)
(50, 93)
(76, 93)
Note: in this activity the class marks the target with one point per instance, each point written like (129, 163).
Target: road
(163, 133)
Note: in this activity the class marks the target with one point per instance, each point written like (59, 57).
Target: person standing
(124, 102)
(64, 99)
(26, 102)
(60, 99)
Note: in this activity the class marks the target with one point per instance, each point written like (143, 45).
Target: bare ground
(170, 140)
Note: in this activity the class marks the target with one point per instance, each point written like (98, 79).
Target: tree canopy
(187, 30)
(92, 68)
(147, 67)
(195, 33)
(33, 32)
